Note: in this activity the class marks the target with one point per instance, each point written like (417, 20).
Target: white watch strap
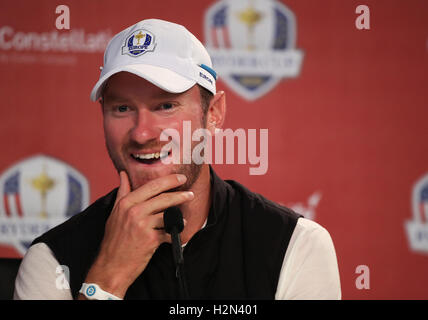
(92, 291)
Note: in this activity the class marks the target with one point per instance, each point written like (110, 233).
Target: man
(237, 244)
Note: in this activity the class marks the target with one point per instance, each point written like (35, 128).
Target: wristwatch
(93, 291)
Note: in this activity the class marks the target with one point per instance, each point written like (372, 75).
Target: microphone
(173, 219)
(173, 224)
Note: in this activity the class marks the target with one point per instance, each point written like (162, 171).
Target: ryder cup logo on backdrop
(139, 42)
(37, 194)
(252, 44)
(417, 228)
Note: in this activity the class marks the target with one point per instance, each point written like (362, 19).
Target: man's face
(135, 113)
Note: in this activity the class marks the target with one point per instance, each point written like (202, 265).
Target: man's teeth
(149, 156)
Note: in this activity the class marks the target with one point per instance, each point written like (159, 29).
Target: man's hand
(134, 231)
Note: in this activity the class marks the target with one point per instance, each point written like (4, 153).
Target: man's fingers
(164, 201)
(139, 207)
(156, 186)
(157, 221)
(164, 237)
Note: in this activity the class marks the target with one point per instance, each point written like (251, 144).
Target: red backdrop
(351, 127)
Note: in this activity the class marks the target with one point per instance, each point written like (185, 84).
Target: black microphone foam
(173, 218)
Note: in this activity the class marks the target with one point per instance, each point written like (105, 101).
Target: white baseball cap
(162, 52)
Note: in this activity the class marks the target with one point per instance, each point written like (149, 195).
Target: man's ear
(216, 112)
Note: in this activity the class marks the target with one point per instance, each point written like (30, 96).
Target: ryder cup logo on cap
(252, 44)
(164, 53)
(417, 228)
(139, 42)
(37, 194)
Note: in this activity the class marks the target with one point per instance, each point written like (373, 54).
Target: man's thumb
(125, 186)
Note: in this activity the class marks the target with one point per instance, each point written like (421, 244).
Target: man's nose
(145, 127)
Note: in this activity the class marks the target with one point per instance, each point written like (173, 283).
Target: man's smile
(149, 157)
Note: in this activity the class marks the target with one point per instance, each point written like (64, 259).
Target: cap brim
(161, 77)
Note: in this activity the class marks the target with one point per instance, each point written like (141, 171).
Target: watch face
(90, 291)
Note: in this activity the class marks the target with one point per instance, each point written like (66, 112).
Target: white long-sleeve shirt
(309, 269)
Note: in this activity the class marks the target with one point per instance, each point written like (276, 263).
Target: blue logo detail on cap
(139, 42)
(210, 70)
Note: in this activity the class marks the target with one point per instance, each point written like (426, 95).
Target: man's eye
(122, 108)
(166, 106)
